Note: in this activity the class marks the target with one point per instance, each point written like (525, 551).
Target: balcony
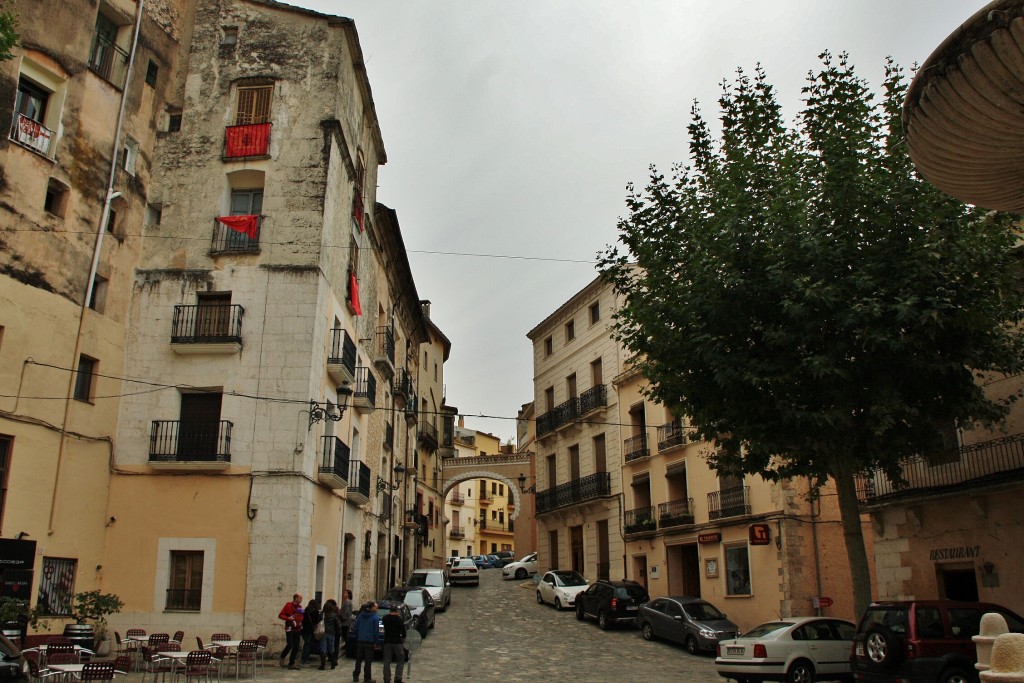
(458, 499)
(428, 436)
(207, 328)
(389, 436)
(639, 521)
(675, 513)
(227, 240)
(593, 398)
(403, 386)
(456, 532)
(341, 359)
(334, 465)
(247, 141)
(578, 491)
(358, 483)
(635, 447)
(190, 445)
(485, 498)
(671, 435)
(364, 396)
(495, 526)
(31, 134)
(977, 465)
(108, 61)
(731, 502)
(384, 351)
(447, 451)
(412, 411)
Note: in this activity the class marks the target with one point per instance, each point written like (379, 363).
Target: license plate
(734, 650)
(631, 608)
(859, 649)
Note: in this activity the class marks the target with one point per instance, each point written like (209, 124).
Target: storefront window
(737, 571)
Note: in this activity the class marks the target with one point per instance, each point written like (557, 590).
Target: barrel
(14, 633)
(81, 635)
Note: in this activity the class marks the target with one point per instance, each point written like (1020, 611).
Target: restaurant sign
(962, 552)
(711, 537)
(759, 534)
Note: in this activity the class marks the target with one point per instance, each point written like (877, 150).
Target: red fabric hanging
(247, 140)
(353, 294)
(249, 225)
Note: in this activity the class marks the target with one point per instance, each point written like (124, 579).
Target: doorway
(683, 562)
(640, 569)
(957, 584)
(576, 546)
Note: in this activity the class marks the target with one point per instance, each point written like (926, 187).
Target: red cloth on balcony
(353, 294)
(249, 225)
(357, 210)
(247, 140)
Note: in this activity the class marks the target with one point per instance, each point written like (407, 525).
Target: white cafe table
(72, 669)
(229, 644)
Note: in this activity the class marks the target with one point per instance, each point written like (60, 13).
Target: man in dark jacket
(394, 643)
(366, 627)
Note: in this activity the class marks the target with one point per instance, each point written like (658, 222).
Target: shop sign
(962, 552)
(759, 534)
(711, 537)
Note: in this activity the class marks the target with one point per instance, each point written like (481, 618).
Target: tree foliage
(8, 29)
(805, 298)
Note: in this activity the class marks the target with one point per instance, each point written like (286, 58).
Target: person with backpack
(366, 627)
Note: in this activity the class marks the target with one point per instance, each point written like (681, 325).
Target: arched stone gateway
(504, 468)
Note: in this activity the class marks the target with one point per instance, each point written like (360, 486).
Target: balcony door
(213, 315)
(576, 548)
(200, 424)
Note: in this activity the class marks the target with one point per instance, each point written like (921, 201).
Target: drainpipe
(109, 196)
(814, 540)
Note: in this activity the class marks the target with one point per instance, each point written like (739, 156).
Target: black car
(419, 602)
(611, 602)
(378, 645)
(505, 557)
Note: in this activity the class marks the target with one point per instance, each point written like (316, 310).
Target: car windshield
(570, 578)
(414, 599)
(636, 592)
(426, 580)
(765, 629)
(702, 611)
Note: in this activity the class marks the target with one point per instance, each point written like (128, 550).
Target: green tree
(813, 305)
(8, 29)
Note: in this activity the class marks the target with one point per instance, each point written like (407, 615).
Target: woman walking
(332, 629)
(309, 621)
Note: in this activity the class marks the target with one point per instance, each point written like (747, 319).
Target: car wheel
(433, 622)
(647, 631)
(691, 645)
(520, 573)
(540, 600)
(882, 647)
(558, 604)
(801, 671)
(579, 612)
(955, 675)
(603, 621)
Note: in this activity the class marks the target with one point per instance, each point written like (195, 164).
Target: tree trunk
(853, 534)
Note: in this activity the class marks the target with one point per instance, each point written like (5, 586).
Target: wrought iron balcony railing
(247, 140)
(593, 398)
(978, 464)
(358, 482)
(545, 423)
(639, 520)
(428, 435)
(412, 411)
(207, 324)
(670, 435)
(365, 393)
(577, 491)
(184, 599)
(229, 241)
(385, 345)
(731, 502)
(635, 447)
(675, 513)
(190, 441)
(458, 499)
(456, 532)
(31, 134)
(108, 61)
(341, 359)
(334, 466)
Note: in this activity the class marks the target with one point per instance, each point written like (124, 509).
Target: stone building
(246, 417)
(606, 453)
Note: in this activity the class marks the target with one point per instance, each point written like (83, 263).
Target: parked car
(795, 649)
(464, 571)
(482, 561)
(560, 588)
(506, 558)
(521, 569)
(418, 601)
(611, 602)
(496, 562)
(921, 641)
(692, 622)
(450, 561)
(403, 611)
(436, 581)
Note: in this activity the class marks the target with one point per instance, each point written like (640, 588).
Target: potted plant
(92, 607)
(16, 616)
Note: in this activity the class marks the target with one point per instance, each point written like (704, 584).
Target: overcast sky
(512, 128)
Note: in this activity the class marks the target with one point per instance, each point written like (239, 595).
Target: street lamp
(318, 412)
(384, 485)
(522, 485)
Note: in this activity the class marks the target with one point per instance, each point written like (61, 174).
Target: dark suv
(611, 602)
(921, 641)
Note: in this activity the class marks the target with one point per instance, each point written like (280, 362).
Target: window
(56, 586)
(548, 347)
(111, 220)
(595, 312)
(600, 458)
(501, 489)
(154, 212)
(109, 59)
(570, 386)
(229, 37)
(549, 399)
(596, 373)
(253, 105)
(553, 547)
(99, 294)
(56, 200)
(37, 108)
(152, 70)
(84, 378)
(129, 155)
(494, 487)
(199, 427)
(5, 466)
(737, 570)
(185, 589)
(173, 123)
(570, 331)
(31, 101)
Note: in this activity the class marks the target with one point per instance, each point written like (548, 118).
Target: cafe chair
(261, 648)
(158, 639)
(154, 664)
(123, 664)
(246, 656)
(198, 665)
(36, 672)
(219, 658)
(220, 637)
(97, 671)
(178, 636)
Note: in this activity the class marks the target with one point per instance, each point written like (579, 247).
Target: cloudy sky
(513, 127)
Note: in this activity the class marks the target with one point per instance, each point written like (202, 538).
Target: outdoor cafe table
(176, 656)
(72, 669)
(41, 649)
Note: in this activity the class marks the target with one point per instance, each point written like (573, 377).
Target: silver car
(436, 583)
(692, 622)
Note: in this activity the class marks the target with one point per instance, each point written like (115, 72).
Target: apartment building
(249, 359)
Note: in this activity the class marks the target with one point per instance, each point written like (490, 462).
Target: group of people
(301, 633)
(366, 626)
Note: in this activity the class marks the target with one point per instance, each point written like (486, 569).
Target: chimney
(425, 307)
(462, 421)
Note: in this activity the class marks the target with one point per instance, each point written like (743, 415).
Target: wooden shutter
(253, 105)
